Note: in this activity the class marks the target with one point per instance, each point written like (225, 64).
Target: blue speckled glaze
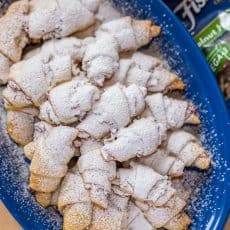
(210, 209)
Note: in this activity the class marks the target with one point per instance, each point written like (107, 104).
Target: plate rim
(224, 213)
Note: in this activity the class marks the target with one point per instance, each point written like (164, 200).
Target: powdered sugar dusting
(15, 172)
(205, 195)
(201, 184)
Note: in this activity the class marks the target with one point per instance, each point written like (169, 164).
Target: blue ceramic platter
(211, 207)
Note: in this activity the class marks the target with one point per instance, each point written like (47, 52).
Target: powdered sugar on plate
(15, 169)
(15, 175)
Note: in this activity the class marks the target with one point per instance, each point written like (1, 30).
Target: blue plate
(211, 208)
